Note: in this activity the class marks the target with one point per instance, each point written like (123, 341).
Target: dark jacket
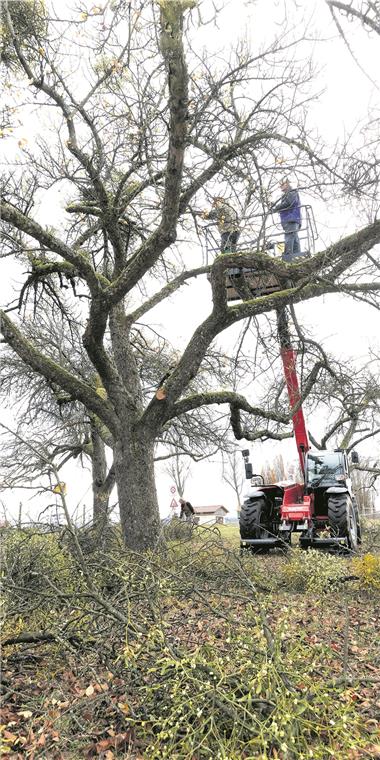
(187, 509)
(289, 207)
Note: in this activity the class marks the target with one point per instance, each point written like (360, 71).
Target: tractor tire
(342, 518)
(254, 519)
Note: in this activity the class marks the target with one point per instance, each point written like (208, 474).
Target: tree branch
(171, 20)
(166, 291)
(56, 373)
(79, 260)
(350, 11)
(225, 397)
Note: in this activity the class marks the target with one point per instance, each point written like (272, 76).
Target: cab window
(324, 465)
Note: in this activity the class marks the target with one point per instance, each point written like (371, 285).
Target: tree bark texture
(136, 487)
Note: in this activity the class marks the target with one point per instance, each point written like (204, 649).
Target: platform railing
(269, 237)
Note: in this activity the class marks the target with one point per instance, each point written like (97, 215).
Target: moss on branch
(79, 259)
(225, 397)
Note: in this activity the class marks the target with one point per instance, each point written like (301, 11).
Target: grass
(230, 533)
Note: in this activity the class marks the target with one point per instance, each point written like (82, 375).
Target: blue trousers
(292, 241)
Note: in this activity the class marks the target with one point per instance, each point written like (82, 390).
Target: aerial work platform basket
(244, 282)
(250, 284)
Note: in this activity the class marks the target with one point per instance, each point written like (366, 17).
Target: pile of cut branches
(189, 652)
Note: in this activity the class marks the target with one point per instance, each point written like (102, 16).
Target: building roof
(209, 510)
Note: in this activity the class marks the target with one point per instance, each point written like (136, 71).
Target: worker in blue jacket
(289, 207)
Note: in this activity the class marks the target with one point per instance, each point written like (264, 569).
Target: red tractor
(322, 509)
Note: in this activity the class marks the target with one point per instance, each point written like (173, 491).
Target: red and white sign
(172, 489)
(173, 504)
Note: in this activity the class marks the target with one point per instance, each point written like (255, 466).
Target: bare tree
(350, 394)
(178, 470)
(49, 417)
(274, 470)
(146, 134)
(363, 484)
(232, 474)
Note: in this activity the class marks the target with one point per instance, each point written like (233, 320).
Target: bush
(313, 571)
(177, 530)
(367, 568)
(36, 570)
(29, 557)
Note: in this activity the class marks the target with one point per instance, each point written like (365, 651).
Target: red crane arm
(288, 357)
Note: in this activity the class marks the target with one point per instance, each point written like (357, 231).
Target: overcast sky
(346, 94)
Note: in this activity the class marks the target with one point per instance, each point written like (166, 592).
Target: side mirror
(248, 470)
(354, 457)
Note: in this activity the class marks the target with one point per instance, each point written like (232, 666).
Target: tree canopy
(137, 128)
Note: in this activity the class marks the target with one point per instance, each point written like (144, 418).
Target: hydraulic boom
(288, 356)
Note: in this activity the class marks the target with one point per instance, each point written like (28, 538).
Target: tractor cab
(325, 468)
(262, 234)
(328, 480)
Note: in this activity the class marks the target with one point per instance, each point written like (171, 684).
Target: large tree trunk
(134, 469)
(134, 447)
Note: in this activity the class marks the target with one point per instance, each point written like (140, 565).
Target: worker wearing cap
(227, 222)
(289, 208)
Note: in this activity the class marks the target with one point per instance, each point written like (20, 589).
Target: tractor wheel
(254, 519)
(342, 518)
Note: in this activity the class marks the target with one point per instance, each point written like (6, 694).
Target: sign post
(173, 503)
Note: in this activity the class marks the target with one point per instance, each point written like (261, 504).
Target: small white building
(210, 515)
